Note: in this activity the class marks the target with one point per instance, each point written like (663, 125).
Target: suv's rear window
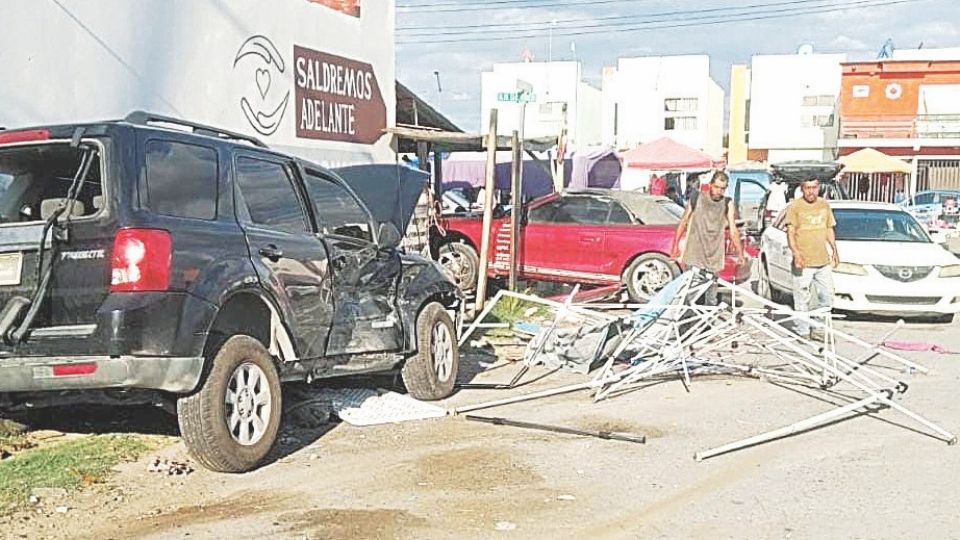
(34, 181)
(181, 180)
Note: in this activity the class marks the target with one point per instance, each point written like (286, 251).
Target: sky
(858, 28)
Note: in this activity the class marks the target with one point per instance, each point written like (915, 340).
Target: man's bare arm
(734, 231)
(681, 230)
(792, 242)
(832, 241)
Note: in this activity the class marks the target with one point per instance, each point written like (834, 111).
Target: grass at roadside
(511, 310)
(69, 465)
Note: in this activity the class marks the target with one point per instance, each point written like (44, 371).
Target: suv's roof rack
(144, 118)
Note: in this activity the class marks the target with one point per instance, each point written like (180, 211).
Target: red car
(594, 236)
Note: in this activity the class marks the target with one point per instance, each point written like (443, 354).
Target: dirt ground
(867, 477)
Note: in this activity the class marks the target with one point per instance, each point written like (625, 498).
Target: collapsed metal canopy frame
(453, 141)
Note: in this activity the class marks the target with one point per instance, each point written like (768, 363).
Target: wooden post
(489, 185)
(437, 172)
(560, 163)
(516, 201)
(423, 153)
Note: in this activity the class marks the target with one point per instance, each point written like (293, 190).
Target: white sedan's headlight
(851, 269)
(950, 271)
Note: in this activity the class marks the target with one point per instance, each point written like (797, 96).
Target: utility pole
(487, 212)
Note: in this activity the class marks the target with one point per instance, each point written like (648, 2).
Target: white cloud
(847, 43)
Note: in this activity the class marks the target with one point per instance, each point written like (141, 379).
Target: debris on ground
(916, 346)
(675, 335)
(169, 467)
(48, 494)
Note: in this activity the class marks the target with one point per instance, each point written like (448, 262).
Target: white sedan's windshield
(878, 226)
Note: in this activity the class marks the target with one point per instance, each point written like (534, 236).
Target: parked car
(793, 173)
(157, 254)
(926, 206)
(748, 189)
(888, 263)
(595, 236)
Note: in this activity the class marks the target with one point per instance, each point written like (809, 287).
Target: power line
(561, 23)
(445, 7)
(703, 21)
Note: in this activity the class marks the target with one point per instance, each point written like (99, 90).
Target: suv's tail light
(141, 260)
(31, 135)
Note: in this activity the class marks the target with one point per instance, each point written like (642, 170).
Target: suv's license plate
(10, 266)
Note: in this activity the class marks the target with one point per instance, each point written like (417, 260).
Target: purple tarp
(595, 168)
(600, 168)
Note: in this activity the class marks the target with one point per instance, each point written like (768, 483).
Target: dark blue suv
(157, 254)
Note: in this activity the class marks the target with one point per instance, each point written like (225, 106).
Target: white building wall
(555, 84)
(714, 119)
(789, 95)
(74, 60)
(636, 92)
(589, 116)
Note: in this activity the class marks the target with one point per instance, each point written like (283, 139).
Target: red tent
(664, 154)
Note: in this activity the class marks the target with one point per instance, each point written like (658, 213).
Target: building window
(680, 123)
(746, 117)
(816, 120)
(823, 100)
(681, 104)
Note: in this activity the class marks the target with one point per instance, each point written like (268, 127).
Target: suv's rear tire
(461, 263)
(432, 372)
(647, 274)
(233, 438)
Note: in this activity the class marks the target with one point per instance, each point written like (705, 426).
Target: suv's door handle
(272, 252)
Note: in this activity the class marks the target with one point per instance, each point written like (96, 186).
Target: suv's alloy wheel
(248, 404)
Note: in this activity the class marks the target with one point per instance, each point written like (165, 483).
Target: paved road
(868, 477)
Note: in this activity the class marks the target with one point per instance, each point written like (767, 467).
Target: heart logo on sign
(263, 82)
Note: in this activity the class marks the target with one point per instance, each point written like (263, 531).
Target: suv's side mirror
(388, 236)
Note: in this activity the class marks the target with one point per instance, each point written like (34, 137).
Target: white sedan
(888, 263)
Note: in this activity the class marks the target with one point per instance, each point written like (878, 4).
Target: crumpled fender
(421, 282)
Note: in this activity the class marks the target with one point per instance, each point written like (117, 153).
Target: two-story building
(560, 100)
(908, 107)
(783, 107)
(650, 97)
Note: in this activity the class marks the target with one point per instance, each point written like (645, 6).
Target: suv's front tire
(231, 422)
(432, 372)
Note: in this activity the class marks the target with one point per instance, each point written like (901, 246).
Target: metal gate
(938, 174)
(877, 187)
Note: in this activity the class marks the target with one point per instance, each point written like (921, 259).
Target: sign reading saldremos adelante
(338, 99)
